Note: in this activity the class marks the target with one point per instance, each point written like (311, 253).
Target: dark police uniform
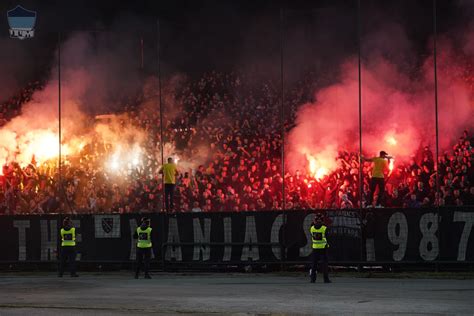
(68, 248)
(320, 246)
(143, 234)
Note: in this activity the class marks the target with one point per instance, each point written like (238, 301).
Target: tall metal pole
(282, 104)
(141, 52)
(160, 100)
(282, 118)
(59, 117)
(435, 64)
(161, 108)
(361, 181)
(435, 70)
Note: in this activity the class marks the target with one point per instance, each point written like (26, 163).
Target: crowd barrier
(375, 236)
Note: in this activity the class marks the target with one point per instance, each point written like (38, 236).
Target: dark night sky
(203, 35)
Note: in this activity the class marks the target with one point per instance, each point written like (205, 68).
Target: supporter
(412, 202)
(196, 208)
(426, 202)
(346, 203)
(241, 169)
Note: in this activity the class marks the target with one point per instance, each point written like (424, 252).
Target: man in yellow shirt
(380, 166)
(170, 172)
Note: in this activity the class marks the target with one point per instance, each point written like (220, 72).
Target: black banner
(376, 235)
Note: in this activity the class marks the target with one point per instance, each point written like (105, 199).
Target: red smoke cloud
(398, 111)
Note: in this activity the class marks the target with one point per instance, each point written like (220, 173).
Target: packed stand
(231, 129)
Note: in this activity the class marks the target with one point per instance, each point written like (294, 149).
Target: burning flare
(315, 168)
(390, 166)
(390, 139)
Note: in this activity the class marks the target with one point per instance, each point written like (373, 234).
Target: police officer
(68, 248)
(143, 235)
(320, 246)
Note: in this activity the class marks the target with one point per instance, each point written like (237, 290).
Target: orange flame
(321, 173)
(316, 169)
(43, 145)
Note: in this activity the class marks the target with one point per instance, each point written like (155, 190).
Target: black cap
(318, 216)
(383, 153)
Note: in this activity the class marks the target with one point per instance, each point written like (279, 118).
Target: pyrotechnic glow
(136, 155)
(391, 164)
(124, 157)
(42, 145)
(315, 168)
(114, 161)
(390, 139)
(36, 146)
(81, 145)
(312, 165)
(114, 165)
(321, 173)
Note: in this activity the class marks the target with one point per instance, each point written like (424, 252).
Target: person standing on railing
(143, 236)
(68, 248)
(381, 164)
(320, 248)
(170, 172)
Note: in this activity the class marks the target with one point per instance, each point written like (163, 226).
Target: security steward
(320, 246)
(68, 248)
(143, 235)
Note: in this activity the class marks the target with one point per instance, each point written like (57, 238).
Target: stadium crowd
(237, 124)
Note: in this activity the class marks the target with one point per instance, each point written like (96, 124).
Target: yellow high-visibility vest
(318, 237)
(144, 237)
(68, 237)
